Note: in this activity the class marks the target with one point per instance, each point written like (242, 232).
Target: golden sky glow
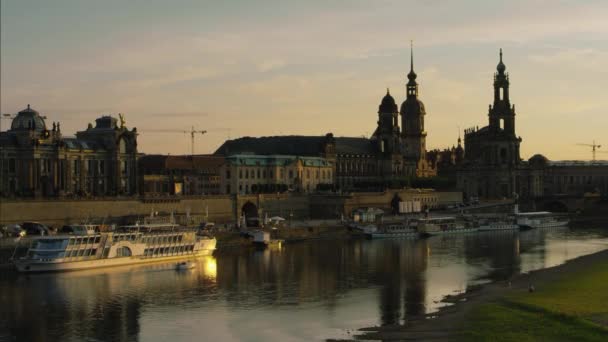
(240, 68)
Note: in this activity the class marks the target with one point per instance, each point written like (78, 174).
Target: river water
(300, 292)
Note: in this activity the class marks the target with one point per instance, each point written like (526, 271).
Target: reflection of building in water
(401, 273)
(500, 249)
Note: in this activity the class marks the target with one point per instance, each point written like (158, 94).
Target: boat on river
(110, 249)
(540, 219)
(392, 230)
(496, 223)
(444, 225)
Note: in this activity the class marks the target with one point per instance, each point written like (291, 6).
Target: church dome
(28, 119)
(412, 106)
(388, 104)
(538, 160)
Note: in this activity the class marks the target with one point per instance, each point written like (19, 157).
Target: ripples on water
(304, 291)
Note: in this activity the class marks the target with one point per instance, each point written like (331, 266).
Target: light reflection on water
(304, 291)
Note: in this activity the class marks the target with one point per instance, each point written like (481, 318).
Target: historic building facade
(391, 153)
(180, 175)
(492, 166)
(38, 161)
(250, 174)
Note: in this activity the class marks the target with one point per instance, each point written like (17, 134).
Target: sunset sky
(255, 68)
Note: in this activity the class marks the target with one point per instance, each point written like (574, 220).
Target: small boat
(261, 239)
(185, 265)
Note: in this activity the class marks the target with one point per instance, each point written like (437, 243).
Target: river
(300, 292)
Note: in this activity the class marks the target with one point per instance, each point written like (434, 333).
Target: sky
(271, 67)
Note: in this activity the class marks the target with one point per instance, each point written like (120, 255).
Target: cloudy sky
(238, 68)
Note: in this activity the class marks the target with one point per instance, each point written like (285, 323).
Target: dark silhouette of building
(389, 154)
(492, 166)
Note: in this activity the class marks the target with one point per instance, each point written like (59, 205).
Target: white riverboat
(70, 252)
(540, 219)
(495, 223)
(392, 230)
(444, 225)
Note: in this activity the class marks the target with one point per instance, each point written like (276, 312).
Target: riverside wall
(219, 208)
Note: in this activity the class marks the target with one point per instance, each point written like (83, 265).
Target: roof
(564, 163)
(197, 162)
(349, 145)
(274, 160)
(294, 145)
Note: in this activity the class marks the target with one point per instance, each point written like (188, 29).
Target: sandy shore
(446, 324)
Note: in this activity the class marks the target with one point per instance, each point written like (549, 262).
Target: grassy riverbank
(569, 303)
(572, 306)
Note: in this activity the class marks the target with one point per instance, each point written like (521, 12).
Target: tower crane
(593, 146)
(192, 133)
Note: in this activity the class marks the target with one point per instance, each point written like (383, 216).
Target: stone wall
(58, 212)
(220, 209)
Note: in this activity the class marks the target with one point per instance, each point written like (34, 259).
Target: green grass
(571, 308)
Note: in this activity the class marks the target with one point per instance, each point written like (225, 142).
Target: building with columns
(38, 161)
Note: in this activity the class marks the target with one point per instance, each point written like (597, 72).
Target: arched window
(501, 93)
(502, 123)
(123, 252)
(122, 146)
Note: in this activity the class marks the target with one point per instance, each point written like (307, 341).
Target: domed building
(38, 161)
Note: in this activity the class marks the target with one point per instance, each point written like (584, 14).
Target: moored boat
(540, 219)
(444, 225)
(495, 223)
(70, 252)
(392, 230)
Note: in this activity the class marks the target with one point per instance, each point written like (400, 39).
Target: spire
(412, 55)
(501, 66)
(388, 91)
(412, 75)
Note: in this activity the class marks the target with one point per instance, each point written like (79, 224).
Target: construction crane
(593, 146)
(192, 133)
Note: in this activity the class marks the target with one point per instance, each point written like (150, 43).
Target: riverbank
(568, 304)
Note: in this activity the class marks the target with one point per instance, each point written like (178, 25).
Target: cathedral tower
(502, 114)
(412, 119)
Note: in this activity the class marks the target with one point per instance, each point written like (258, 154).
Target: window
(227, 174)
(11, 165)
(290, 174)
(241, 174)
(502, 123)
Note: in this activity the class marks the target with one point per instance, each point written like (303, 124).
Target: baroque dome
(28, 119)
(388, 104)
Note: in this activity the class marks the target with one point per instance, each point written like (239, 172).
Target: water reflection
(302, 291)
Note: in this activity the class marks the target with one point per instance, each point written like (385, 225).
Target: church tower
(387, 132)
(502, 114)
(412, 119)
